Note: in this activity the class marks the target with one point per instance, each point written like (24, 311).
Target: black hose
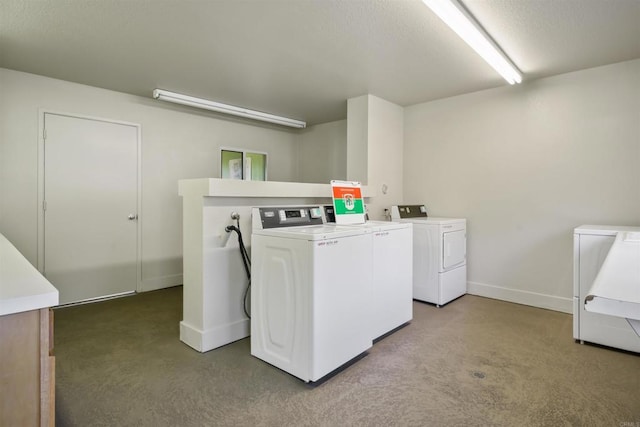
(246, 261)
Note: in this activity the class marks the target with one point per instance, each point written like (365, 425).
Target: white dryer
(439, 254)
(591, 246)
(392, 252)
(310, 296)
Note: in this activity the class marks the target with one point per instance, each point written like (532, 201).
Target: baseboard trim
(549, 302)
(213, 338)
(160, 282)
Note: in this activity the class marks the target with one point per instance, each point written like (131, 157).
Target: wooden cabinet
(27, 369)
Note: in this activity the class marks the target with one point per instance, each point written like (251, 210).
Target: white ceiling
(305, 58)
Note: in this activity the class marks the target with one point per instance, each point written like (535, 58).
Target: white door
(454, 248)
(90, 204)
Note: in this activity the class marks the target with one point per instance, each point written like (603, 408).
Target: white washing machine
(439, 254)
(392, 254)
(310, 292)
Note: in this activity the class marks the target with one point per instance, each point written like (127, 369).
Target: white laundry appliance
(392, 279)
(439, 254)
(311, 296)
(591, 247)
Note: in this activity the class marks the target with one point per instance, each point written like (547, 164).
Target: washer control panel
(276, 217)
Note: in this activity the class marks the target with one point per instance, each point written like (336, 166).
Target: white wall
(177, 143)
(525, 165)
(374, 147)
(358, 138)
(322, 152)
(385, 159)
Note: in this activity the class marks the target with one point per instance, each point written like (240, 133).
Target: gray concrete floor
(474, 362)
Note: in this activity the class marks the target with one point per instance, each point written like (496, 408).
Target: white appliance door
(454, 244)
(281, 293)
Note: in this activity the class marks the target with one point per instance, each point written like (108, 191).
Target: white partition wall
(214, 277)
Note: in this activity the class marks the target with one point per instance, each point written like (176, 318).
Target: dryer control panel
(408, 211)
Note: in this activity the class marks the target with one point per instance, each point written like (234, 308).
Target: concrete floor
(474, 362)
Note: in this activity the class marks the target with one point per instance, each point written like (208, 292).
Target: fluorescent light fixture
(165, 95)
(459, 20)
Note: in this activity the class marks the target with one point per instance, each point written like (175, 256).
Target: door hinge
(44, 133)
(44, 205)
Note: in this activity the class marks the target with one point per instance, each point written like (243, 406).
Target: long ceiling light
(455, 16)
(165, 95)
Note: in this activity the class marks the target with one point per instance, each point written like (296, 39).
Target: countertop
(218, 187)
(22, 287)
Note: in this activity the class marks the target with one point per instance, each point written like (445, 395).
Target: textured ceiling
(304, 59)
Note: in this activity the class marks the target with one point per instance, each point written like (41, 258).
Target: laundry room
(381, 95)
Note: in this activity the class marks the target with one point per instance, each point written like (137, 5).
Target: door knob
(132, 217)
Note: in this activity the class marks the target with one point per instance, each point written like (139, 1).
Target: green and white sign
(348, 204)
